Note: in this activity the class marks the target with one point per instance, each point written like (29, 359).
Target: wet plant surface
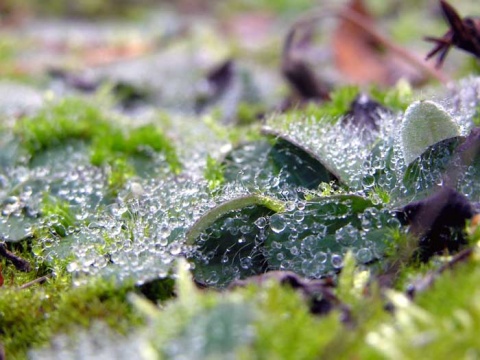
(246, 181)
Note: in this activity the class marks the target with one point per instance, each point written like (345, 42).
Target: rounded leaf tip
(425, 123)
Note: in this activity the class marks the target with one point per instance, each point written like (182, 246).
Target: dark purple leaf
(438, 221)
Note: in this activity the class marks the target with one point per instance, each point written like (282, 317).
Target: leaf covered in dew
(424, 124)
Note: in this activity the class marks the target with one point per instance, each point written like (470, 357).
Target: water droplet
(246, 262)
(337, 261)
(364, 255)
(277, 223)
(175, 248)
(320, 257)
(261, 222)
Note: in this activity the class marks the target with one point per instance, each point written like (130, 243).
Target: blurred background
(169, 51)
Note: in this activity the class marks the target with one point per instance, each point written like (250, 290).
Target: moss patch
(74, 118)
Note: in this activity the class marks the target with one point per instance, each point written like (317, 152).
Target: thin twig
(428, 280)
(359, 20)
(19, 263)
(40, 280)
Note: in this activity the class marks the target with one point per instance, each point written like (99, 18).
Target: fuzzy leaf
(425, 123)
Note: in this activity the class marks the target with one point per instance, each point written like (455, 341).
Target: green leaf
(304, 167)
(429, 169)
(300, 166)
(425, 123)
(314, 240)
(260, 161)
(230, 239)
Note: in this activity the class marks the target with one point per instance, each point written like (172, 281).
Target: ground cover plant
(173, 191)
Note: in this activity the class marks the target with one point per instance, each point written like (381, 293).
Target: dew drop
(261, 222)
(364, 255)
(337, 261)
(277, 223)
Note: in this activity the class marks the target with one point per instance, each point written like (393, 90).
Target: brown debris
(364, 57)
(429, 279)
(19, 263)
(463, 34)
(357, 53)
(438, 221)
(296, 69)
(318, 292)
(365, 113)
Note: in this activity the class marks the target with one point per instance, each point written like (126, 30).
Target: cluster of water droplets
(64, 201)
(313, 241)
(138, 233)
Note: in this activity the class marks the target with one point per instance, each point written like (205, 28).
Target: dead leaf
(438, 221)
(463, 34)
(364, 57)
(297, 71)
(357, 54)
(216, 83)
(19, 263)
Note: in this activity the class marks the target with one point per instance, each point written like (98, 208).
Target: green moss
(476, 116)
(286, 330)
(59, 213)
(30, 317)
(74, 118)
(231, 133)
(214, 173)
(248, 113)
(283, 6)
(443, 322)
(275, 323)
(396, 98)
(452, 290)
(329, 111)
(118, 174)
(70, 118)
(112, 143)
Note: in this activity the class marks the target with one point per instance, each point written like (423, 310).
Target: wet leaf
(290, 154)
(429, 169)
(229, 240)
(235, 204)
(438, 221)
(261, 161)
(425, 123)
(312, 241)
(299, 166)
